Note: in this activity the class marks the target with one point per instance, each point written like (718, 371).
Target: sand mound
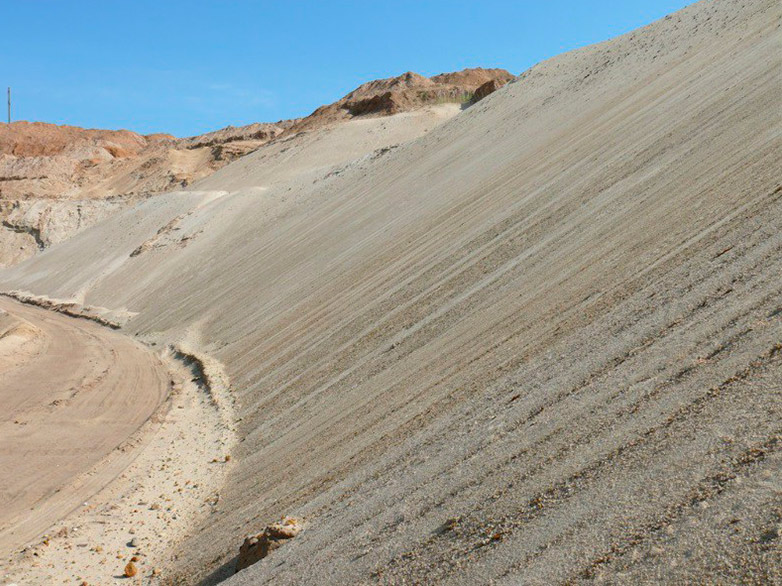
(539, 343)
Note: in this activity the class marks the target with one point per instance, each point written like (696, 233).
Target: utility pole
(9, 104)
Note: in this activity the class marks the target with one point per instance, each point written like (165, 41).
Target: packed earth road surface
(71, 392)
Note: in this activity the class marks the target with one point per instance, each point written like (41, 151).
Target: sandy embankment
(540, 344)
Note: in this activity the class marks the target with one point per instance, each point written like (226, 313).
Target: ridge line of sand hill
(88, 148)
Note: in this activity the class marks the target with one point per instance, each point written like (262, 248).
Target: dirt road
(71, 393)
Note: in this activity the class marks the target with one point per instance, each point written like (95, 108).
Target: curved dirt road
(71, 392)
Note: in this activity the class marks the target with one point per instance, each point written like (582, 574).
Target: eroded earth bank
(536, 339)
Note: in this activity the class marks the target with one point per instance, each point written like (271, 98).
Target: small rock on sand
(130, 570)
(257, 547)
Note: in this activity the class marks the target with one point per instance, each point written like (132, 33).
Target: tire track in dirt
(65, 409)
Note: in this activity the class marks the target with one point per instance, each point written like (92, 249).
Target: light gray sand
(539, 345)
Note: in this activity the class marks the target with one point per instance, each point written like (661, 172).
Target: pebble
(130, 570)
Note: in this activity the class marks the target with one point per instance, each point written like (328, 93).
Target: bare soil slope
(57, 180)
(90, 541)
(540, 344)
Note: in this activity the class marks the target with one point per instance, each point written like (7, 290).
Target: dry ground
(72, 392)
(539, 344)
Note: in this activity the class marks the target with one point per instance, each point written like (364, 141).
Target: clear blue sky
(188, 66)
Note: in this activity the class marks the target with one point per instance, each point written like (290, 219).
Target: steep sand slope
(541, 344)
(115, 511)
(308, 157)
(57, 180)
(73, 392)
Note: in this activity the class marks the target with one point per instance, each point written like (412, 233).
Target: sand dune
(542, 343)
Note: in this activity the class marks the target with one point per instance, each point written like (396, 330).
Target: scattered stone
(257, 547)
(487, 88)
(133, 542)
(130, 570)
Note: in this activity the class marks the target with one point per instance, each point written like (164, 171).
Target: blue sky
(186, 67)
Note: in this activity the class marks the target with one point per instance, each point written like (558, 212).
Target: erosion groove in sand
(537, 343)
(100, 315)
(212, 379)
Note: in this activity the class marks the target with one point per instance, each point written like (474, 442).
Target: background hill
(56, 180)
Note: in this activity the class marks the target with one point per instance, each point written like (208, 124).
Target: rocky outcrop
(31, 225)
(40, 160)
(405, 92)
(39, 139)
(252, 132)
(257, 547)
(487, 88)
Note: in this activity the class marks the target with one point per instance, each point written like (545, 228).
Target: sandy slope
(540, 344)
(73, 393)
(189, 436)
(53, 214)
(56, 180)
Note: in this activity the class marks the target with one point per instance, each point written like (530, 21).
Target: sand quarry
(532, 340)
